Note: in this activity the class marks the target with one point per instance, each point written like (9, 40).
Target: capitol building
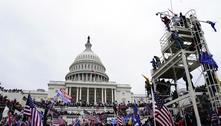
(87, 81)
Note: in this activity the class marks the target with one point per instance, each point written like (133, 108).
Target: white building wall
(36, 95)
(123, 93)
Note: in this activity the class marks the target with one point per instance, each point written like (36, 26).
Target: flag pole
(153, 104)
(153, 101)
(171, 5)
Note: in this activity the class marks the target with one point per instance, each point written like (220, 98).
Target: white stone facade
(87, 81)
(37, 95)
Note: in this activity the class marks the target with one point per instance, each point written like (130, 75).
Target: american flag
(89, 116)
(120, 120)
(58, 121)
(161, 113)
(31, 110)
(214, 117)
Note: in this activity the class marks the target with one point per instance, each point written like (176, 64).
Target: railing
(164, 13)
(164, 40)
(190, 12)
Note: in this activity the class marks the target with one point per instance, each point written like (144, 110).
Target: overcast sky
(40, 39)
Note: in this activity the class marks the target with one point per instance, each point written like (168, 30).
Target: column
(112, 93)
(77, 94)
(102, 95)
(82, 78)
(105, 94)
(70, 91)
(95, 100)
(80, 95)
(67, 90)
(86, 77)
(87, 95)
(90, 77)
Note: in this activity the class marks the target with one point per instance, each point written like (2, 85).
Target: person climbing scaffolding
(183, 21)
(166, 21)
(175, 37)
(158, 62)
(185, 79)
(154, 64)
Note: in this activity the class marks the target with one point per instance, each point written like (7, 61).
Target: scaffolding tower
(181, 57)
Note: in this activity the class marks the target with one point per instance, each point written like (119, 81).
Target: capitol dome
(87, 66)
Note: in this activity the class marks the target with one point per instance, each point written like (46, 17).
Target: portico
(92, 94)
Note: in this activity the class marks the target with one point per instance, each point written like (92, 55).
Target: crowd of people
(12, 116)
(15, 116)
(120, 112)
(11, 90)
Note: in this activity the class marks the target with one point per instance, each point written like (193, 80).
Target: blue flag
(206, 58)
(113, 121)
(136, 120)
(136, 116)
(212, 24)
(135, 108)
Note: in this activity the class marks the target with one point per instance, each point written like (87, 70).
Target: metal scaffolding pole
(191, 91)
